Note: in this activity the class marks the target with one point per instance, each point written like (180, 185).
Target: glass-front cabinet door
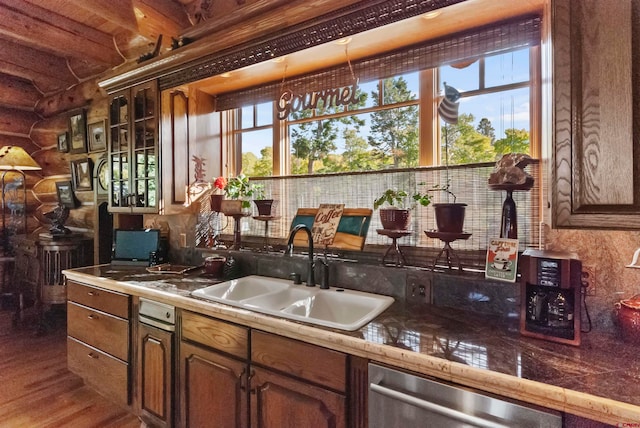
(133, 149)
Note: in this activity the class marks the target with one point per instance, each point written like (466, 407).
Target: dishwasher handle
(432, 407)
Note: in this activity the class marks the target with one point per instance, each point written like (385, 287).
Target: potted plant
(216, 195)
(266, 207)
(449, 215)
(239, 192)
(397, 214)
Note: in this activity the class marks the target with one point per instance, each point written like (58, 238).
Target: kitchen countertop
(598, 380)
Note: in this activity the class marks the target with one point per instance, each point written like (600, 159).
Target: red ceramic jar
(628, 315)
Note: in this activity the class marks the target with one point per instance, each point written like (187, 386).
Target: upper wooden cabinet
(596, 84)
(133, 149)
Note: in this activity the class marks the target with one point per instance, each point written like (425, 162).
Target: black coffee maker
(550, 293)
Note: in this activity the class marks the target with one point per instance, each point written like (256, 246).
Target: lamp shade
(15, 157)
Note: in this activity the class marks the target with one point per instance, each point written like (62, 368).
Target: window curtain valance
(497, 38)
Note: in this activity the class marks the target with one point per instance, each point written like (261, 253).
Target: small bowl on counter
(628, 316)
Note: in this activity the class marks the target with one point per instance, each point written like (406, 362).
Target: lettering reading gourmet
(290, 102)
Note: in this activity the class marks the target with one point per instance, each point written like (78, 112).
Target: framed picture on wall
(78, 132)
(81, 171)
(63, 142)
(97, 136)
(65, 194)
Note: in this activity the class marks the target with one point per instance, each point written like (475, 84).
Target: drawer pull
(92, 293)
(92, 317)
(92, 355)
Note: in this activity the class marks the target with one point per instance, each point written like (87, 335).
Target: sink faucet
(311, 280)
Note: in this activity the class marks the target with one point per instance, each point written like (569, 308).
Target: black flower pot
(395, 219)
(266, 207)
(449, 217)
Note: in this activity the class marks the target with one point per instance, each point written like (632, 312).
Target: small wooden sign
(502, 259)
(325, 224)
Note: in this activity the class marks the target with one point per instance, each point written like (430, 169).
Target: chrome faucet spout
(311, 281)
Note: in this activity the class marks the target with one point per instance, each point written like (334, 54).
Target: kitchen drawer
(101, 371)
(99, 329)
(98, 298)
(219, 335)
(310, 362)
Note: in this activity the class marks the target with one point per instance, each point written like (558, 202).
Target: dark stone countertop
(602, 366)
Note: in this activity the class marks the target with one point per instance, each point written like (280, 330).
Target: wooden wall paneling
(206, 134)
(44, 133)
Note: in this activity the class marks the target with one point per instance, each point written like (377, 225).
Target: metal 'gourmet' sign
(290, 102)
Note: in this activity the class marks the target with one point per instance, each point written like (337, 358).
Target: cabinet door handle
(92, 355)
(243, 386)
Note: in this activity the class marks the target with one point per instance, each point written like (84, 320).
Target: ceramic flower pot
(231, 207)
(266, 207)
(216, 203)
(449, 217)
(628, 316)
(394, 218)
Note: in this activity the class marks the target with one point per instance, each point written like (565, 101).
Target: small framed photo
(81, 172)
(97, 136)
(65, 194)
(63, 142)
(78, 132)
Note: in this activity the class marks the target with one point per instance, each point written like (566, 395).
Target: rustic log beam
(17, 122)
(167, 18)
(78, 96)
(47, 72)
(43, 29)
(118, 12)
(25, 142)
(18, 93)
(44, 133)
(224, 14)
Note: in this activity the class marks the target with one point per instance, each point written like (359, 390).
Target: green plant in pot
(395, 207)
(239, 192)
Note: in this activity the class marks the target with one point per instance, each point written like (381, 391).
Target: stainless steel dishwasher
(398, 399)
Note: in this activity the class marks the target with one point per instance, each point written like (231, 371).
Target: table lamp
(14, 160)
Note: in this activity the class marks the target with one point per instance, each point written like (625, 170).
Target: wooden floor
(37, 390)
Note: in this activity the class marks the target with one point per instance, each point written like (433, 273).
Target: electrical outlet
(588, 279)
(418, 291)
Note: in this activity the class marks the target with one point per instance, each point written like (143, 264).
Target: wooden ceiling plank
(42, 29)
(154, 18)
(119, 12)
(17, 93)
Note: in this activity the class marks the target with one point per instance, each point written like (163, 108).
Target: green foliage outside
(392, 141)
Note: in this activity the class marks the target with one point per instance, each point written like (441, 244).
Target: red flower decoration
(220, 183)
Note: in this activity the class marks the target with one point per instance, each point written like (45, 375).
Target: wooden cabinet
(98, 332)
(213, 373)
(284, 383)
(133, 149)
(596, 85)
(296, 384)
(155, 375)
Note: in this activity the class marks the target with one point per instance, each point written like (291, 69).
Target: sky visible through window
(505, 109)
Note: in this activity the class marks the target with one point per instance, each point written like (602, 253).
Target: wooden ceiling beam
(48, 72)
(18, 93)
(168, 18)
(119, 12)
(77, 96)
(17, 122)
(42, 29)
